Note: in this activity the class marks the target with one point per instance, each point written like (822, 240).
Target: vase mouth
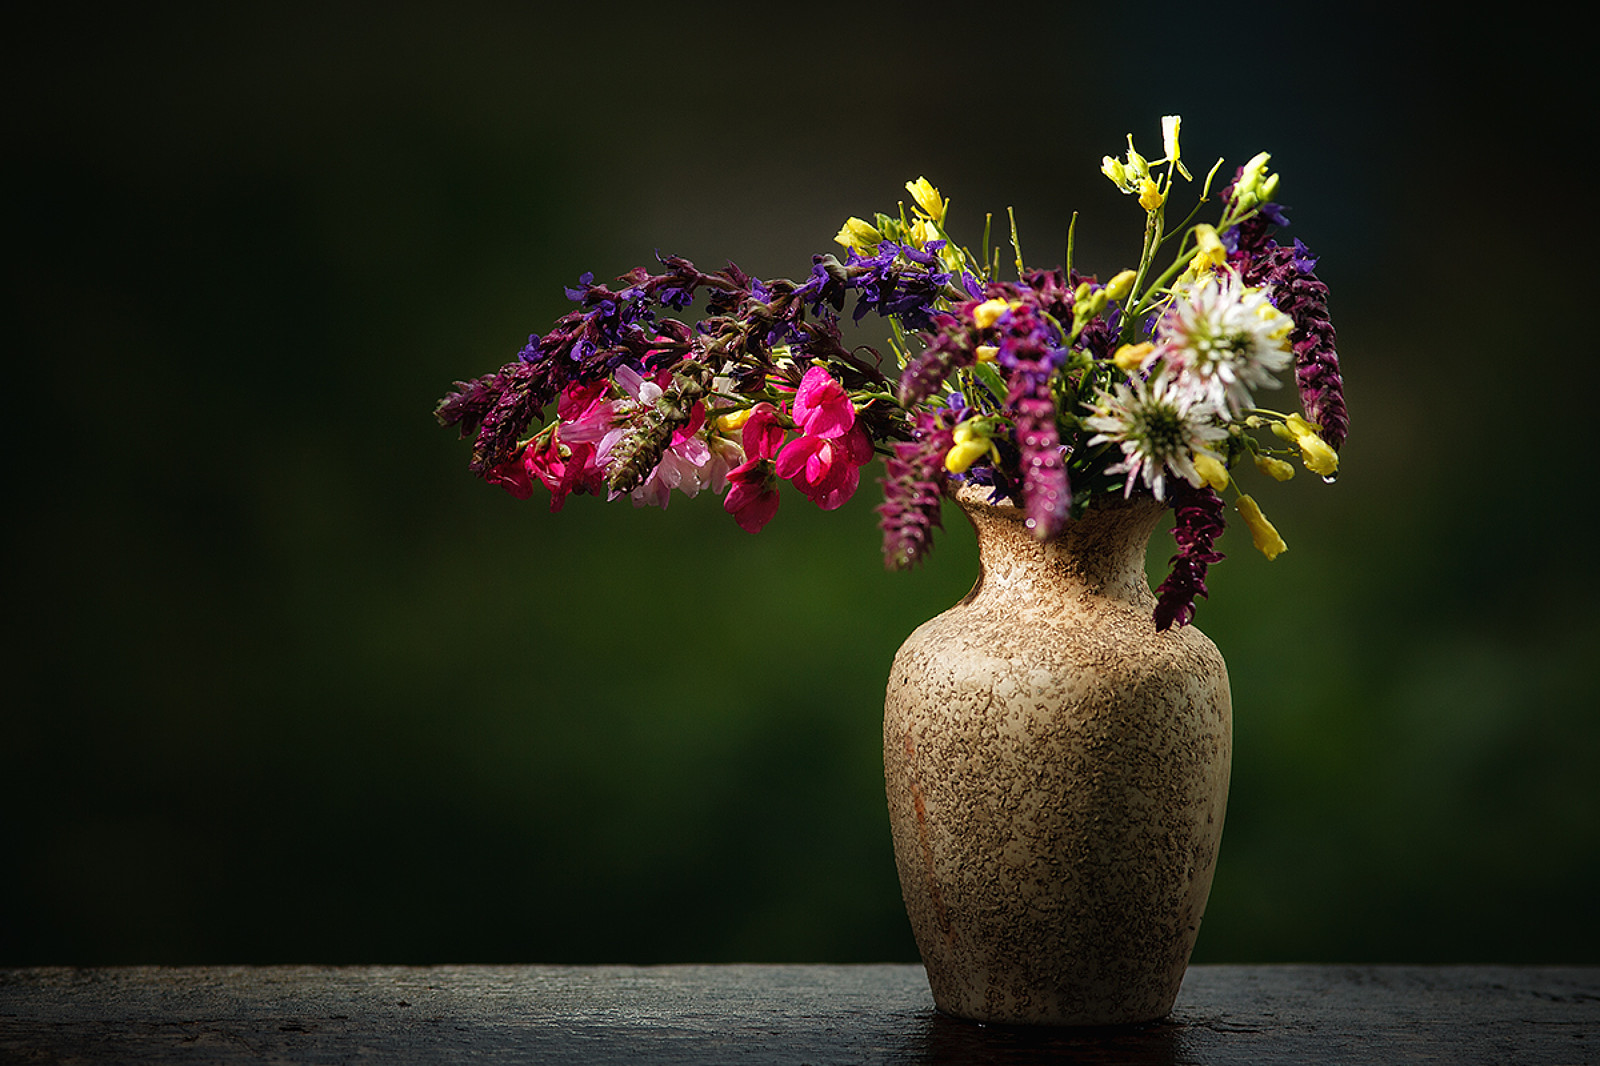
(973, 497)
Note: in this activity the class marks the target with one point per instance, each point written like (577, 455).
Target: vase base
(1060, 989)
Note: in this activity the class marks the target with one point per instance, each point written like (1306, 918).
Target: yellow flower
(962, 456)
(928, 199)
(1130, 357)
(1113, 169)
(1316, 453)
(923, 231)
(1262, 535)
(1282, 324)
(1127, 173)
(1211, 470)
(860, 235)
(733, 421)
(985, 314)
(971, 444)
(1150, 196)
(987, 353)
(1169, 142)
(1276, 469)
(1211, 249)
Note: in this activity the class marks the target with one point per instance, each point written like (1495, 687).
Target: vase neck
(1100, 554)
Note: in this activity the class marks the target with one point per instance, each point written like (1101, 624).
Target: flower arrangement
(1050, 389)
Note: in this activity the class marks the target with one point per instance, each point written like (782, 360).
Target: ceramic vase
(1057, 773)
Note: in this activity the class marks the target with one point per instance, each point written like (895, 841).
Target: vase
(1057, 772)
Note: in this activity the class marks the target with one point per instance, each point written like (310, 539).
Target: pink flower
(821, 406)
(753, 489)
(577, 400)
(577, 471)
(763, 433)
(827, 470)
(514, 475)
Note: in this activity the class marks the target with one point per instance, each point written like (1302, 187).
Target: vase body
(1057, 773)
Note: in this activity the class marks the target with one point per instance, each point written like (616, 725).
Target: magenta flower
(576, 471)
(763, 433)
(826, 469)
(752, 485)
(821, 407)
(513, 475)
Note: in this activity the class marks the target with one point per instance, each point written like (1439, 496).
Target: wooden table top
(797, 1014)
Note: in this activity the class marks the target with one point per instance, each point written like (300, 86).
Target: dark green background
(285, 683)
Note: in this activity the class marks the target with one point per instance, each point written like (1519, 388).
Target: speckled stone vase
(1057, 772)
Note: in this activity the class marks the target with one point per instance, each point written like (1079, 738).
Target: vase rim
(977, 497)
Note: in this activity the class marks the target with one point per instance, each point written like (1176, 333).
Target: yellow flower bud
(1298, 426)
(1131, 357)
(985, 314)
(927, 197)
(987, 353)
(1262, 535)
(964, 453)
(1211, 471)
(1276, 469)
(1249, 189)
(859, 234)
(1119, 287)
(923, 231)
(1150, 196)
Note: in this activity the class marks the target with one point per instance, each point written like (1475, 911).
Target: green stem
(1016, 244)
(1072, 232)
(1152, 238)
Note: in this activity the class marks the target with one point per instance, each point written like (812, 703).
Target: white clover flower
(1160, 428)
(1222, 340)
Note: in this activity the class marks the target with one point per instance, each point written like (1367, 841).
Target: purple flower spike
(1199, 523)
(1301, 295)
(1027, 352)
(952, 346)
(912, 493)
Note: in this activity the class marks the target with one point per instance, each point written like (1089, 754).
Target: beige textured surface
(1057, 773)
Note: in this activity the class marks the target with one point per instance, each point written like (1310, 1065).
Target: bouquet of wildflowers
(1048, 388)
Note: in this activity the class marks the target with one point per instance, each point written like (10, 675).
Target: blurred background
(286, 683)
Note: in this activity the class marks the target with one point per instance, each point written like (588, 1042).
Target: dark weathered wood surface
(775, 1014)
